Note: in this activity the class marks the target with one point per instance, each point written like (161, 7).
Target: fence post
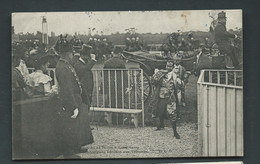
(142, 95)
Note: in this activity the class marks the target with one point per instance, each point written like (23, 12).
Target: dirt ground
(130, 142)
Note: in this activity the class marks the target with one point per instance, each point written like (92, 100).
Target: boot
(161, 125)
(175, 133)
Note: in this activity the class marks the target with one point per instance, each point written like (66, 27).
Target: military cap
(63, 46)
(86, 49)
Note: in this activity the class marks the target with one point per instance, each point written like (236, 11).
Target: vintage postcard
(127, 84)
(211, 163)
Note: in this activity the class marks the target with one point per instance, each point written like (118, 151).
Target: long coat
(202, 62)
(222, 39)
(74, 132)
(159, 105)
(221, 35)
(85, 75)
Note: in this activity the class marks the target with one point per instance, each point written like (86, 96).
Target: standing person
(165, 104)
(181, 73)
(202, 60)
(75, 58)
(71, 102)
(222, 40)
(83, 69)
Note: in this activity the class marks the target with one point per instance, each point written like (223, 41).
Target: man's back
(70, 88)
(221, 34)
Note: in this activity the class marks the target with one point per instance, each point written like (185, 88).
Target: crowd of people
(73, 61)
(101, 47)
(75, 88)
(133, 44)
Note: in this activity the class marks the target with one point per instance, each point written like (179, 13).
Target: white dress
(38, 77)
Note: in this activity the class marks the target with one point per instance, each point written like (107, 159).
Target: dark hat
(222, 15)
(62, 45)
(85, 49)
(40, 58)
(174, 35)
(117, 50)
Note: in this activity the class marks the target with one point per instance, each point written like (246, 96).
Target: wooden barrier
(220, 113)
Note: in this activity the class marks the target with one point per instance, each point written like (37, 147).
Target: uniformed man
(71, 102)
(75, 58)
(202, 60)
(83, 69)
(164, 101)
(222, 40)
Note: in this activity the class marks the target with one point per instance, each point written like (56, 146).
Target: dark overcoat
(85, 75)
(74, 132)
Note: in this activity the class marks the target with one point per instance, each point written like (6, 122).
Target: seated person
(39, 79)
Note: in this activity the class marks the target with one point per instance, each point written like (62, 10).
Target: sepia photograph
(127, 84)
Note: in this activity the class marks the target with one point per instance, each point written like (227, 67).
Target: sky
(112, 22)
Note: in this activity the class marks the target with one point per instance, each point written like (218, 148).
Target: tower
(44, 31)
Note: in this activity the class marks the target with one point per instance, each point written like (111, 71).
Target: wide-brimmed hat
(40, 59)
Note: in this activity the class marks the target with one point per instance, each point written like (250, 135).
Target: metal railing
(227, 78)
(118, 88)
(114, 88)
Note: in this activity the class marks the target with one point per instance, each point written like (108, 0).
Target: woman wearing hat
(18, 82)
(39, 80)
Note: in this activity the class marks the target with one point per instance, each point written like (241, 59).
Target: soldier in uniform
(83, 69)
(222, 40)
(165, 104)
(72, 107)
